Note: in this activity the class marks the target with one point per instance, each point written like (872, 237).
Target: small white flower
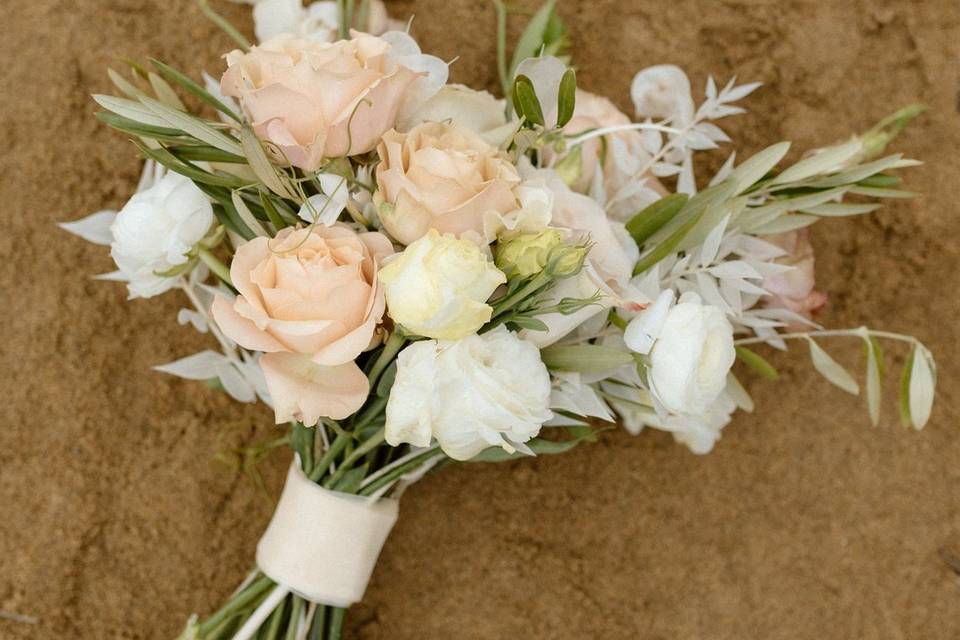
(439, 286)
(662, 92)
(691, 357)
(156, 229)
(489, 390)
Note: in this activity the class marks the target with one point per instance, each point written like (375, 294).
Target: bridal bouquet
(413, 273)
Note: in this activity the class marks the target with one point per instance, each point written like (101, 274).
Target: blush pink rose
(309, 299)
(794, 290)
(315, 100)
(444, 177)
(619, 155)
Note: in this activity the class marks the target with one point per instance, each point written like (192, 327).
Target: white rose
(662, 91)
(318, 21)
(489, 390)
(439, 286)
(156, 229)
(690, 360)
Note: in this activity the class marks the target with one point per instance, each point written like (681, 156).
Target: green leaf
(525, 100)
(667, 247)
(387, 378)
(351, 480)
(531, 40)
(758, 363)
(584, 358)
(193, 88)
(184, 168)
(840, 209)
(131, 110)
(205, 153)
(655, 216)
(567, 98)
(193, 126)
(248, 218)
(273, 214)
(139, 129)
(531, 324)
(261, 165)
(164, 92)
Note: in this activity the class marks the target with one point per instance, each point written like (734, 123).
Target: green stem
(272, 630)
(528, 289)
(218, 268)
(832, 333)
(319, 623)
(387, 478)
(390, 350)
(335, 448)
(224, 24)
(371, 443)
(244, 598)
(298, 603)
(335, 630)
(302, 442)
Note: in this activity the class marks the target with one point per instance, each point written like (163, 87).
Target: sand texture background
(116, 522)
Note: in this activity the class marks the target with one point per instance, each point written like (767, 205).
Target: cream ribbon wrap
(322, 544)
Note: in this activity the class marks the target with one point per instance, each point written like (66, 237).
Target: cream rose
(691, 357)
(155, 230)
(316, 100)
(794, 290)
(440, 176)
(439, 286)
(467, 108)
(489, 390)
(310, 300)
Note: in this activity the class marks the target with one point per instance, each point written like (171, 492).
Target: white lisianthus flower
(155, 230)
(439, 286)
(691, 357)
(662, 91)
(489, 390)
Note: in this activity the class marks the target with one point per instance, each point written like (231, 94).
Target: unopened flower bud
(529, 253)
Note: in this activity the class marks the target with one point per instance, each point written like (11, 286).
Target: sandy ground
(116, 522)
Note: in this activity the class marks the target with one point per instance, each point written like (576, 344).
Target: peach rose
(316, 100)
(618, 155)
(443, 177)
(794, 290)
(310, 300)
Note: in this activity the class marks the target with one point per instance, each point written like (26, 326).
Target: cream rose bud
(155, 230)
(690, 360)
(489, 390)
(439, 286)
(444, 177)
(314, 100)
(528, 253)
(310, 300)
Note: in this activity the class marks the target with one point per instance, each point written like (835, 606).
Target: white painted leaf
(724, 172)
(235, 384)
(732, 94)
(739, 394)
(94, 228)
(922, 385)
(200, 366)
(708, 252)
(735, 269)
(191, 317)
(831, 369)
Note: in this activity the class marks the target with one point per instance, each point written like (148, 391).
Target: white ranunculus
(156, 229)
(662, 91)
(439, 286)
(489, 390)
(691, 357)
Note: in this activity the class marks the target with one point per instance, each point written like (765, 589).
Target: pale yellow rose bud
(528, 253)
(439, 286)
